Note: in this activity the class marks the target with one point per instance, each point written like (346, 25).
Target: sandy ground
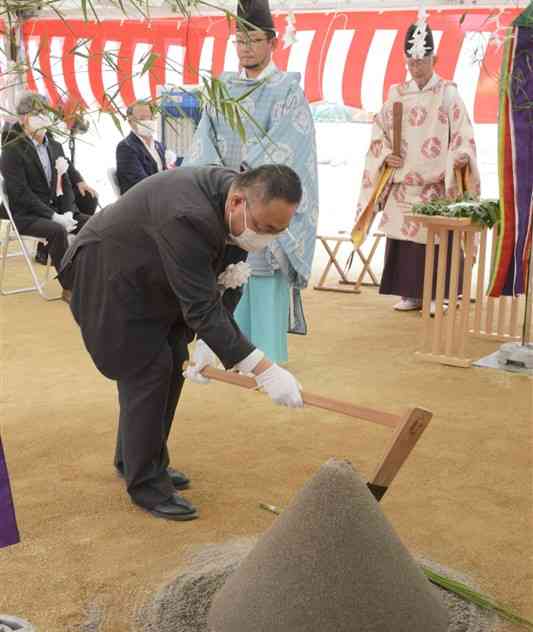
(462, 499)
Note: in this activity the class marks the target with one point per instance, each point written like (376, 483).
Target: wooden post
(480, 283)
(439, 297)
(513, 329)
(489, 317)
(452, 301)
(467, 290)
(428, 282)
(502, 313)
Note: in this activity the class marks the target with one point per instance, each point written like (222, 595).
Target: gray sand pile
(330, 562)
(183, 605)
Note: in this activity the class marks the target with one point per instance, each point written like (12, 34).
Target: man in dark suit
(38, 178)
(144, 275)
(139, 155)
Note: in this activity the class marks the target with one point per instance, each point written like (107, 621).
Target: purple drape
(521, 101)
(8, 526)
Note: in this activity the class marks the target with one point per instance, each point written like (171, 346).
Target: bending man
(143, 274)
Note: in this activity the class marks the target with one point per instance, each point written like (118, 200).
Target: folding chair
(10, 234)
(333, 254)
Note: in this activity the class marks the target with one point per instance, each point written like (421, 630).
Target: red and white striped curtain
(349, 57)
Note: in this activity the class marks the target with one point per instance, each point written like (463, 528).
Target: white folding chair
(10, 234)
(113, 181)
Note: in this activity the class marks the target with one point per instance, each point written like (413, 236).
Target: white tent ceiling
(161, 8)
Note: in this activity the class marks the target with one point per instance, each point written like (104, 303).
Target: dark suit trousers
(55, 235)
(148, 401)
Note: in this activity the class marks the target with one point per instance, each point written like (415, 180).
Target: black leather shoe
(179, 479)
(41, 256)
(175, 508)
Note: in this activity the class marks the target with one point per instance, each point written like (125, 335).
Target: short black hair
(271, 182)
(132, 106)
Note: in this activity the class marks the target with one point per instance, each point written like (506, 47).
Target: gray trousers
(148, 401)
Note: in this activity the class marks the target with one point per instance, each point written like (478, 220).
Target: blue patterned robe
(279, 106)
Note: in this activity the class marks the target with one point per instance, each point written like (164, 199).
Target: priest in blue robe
(282, 131)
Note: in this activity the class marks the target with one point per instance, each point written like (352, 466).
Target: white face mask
(38, 122)
(250, 240)
(147, 128)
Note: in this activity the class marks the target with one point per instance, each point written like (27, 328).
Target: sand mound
(183, 604)
(331, 563)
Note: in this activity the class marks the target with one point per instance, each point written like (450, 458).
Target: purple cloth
(521, 97)
(9, 533)
(404, 269)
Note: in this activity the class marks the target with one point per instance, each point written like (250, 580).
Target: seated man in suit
(38, 178)
(139, 155)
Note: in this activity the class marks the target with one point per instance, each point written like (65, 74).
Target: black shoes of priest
(175, 508)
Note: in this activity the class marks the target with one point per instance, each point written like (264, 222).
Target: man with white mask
(38, 178)
(140, 155)
(145, 275)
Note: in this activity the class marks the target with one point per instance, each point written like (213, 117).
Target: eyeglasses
(249, 42)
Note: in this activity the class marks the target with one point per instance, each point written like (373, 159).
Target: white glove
(66, 220)
(281, 386)
(202, 356)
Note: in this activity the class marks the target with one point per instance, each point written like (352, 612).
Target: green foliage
(481, 601)
(486, 212)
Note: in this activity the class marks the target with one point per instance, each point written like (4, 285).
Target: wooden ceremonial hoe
(408, 428)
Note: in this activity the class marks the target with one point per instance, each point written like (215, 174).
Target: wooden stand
(496, 319)
(444, 336)
(408, 428)
(333, 253)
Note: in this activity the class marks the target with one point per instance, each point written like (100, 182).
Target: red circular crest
(376, 147)
(413, 178)
(456, 112)
(417, 115)
(399, 192)
(432, 191)
(431, 147)
(367, 182)
(456, 141)
(409, 229)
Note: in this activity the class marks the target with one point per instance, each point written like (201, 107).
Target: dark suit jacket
(134, 162)
(29, 194)
(148, 264)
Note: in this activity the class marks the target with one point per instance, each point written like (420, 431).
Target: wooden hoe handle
(344, 408)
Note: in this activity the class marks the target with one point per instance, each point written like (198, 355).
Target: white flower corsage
(170, 158)
(61, 168)
(235, 275)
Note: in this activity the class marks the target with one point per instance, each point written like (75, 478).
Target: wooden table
(445, 335)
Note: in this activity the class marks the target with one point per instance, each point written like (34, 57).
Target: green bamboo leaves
(486, 212)
(481, 601)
